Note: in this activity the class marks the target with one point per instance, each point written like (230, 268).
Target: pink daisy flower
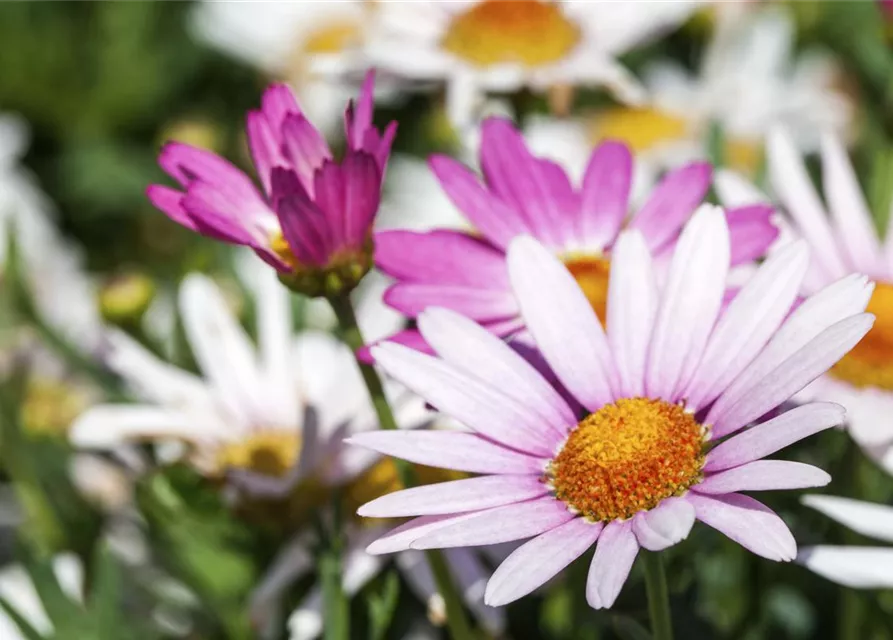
(314, 213)
(651, 433)
(522, 194)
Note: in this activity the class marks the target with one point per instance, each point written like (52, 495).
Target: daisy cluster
(483, 390)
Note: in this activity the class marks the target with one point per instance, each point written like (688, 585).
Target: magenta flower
(314, 214)
(630, 458)
(523, 194)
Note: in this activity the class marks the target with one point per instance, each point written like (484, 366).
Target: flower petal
(170, 202)
(399, 538)
(449, 450)
(667, 524)
(535, 562)
(348, 194)
(605, 194)
(748, 522)
(474, 302)
(856, 567)
(502, 524)
(109, 426)
(691, 302)
(751, 232)
(562, 322)
(615, 553)
(764, 475)
(867, 518)
(773, 435)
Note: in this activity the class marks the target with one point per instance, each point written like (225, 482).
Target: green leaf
(629, 629)
(60, 609)
(382, 605)
(24, 626)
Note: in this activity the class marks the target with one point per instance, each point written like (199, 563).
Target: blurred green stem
(336, 607)
(658, 597)
(350, 332)
(851, 610)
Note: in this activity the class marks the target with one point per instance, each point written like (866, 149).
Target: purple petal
(412, 298)
(348, 194)
(456, 496)
(750, 320)
(476, 404)
(764, 475)
(671, 203)
(188, 164)
(751, 232)
(632, 306)
(399, 538)
(605, 193)
(790, 376)
(265, 145)
(667, 524)
(748, 522)
(614, 556)
(562, 322)
(692, 299)
(441, 257)
(502, 524)
(169, 201)
(497, 221)
(307, 149)
(356, 122)
(216, 215)
(305, 228)
(774, 435)
(534, 563)
(477, 352)
(450, 450)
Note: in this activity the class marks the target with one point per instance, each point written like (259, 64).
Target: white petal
(748, 522)
(615, 553)
(667, 524)
(764, 475)
(857, 567)
(869, 519)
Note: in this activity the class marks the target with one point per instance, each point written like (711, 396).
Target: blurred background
(88, 94)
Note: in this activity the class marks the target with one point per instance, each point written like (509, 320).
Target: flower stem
(849, 618)
(336, 609)
(658, 598)
(350, 332)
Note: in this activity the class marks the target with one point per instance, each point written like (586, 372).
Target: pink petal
(216, 214)
(764, 475)
(792, 375)
(534, 563)
(773, 435)
(497, 221)
(304, 226)
(632, 306)
(456, 496)
(562, 322)
(411, 298)
(789, 180)
(169, 201)
(751, 232)
(449, 450)
(306, 148)
(835, 302)
(605, 193)
(348, 194)
(748, 522)
(188, 164)
(477, 352)
(475, 404)
(265, 145)
(859, 240)
(691, 302)
(399, 538)
(441, 257)
(748, 323)
(356, 123)
(502, 524)
(671, 204)
(614, 556)
(667, 524)
(277, 103)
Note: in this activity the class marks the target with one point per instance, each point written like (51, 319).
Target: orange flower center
(627, 457)
(870, 363)
(267, 452)
(591, 273)
(529, 32)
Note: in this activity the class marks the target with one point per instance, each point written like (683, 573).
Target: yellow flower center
(591, 273)
(49, 407)
(870, 363)
(644, 129)
(269, 452)
(279, 245)
(627, 457)
(333, 37)
(529, 32)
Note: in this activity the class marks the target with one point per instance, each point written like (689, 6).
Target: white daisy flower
(18, 590)
(483, 46)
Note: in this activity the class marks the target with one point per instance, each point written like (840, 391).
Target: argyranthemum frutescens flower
(525, 194)
(658, 439)
(313, 222)
(843, 240)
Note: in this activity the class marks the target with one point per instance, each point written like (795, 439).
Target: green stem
(658, 597)
(350, 332)
(336, 609)
(850, 613)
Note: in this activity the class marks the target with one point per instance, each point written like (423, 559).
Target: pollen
(268, 452)
(528, 32)
(870, 363)
(627, 457)
(591, 273)
(279, 245)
